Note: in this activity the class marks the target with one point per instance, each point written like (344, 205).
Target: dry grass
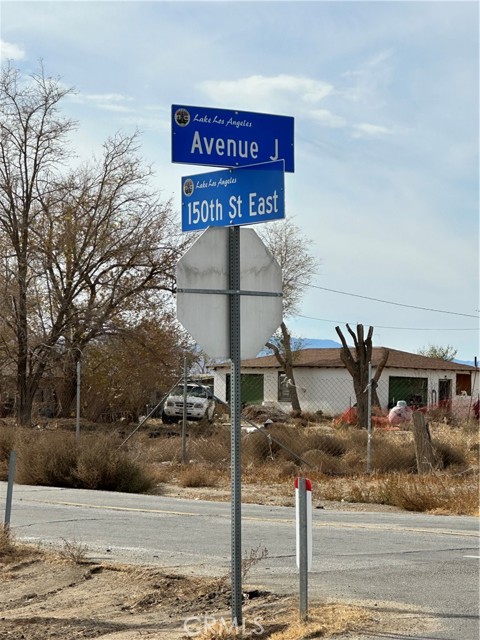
(438, 493)
(324, 621)
(12, 552)
(73, 551)
(6, 543)
(197, 476)
(7, 440)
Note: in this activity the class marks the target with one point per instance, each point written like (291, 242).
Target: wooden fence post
(424, 451)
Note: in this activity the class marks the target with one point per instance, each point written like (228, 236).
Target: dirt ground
(63, 596)
(60, 595)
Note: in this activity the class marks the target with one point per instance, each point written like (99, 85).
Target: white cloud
(274, 91)
(365, 129)
(11, 51)
(370, 80)
(327, 118)
(106, 101)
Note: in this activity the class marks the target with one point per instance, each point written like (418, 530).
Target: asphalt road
(427, 562)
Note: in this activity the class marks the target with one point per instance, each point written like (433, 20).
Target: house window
(463, 386)
(283, 388)
(413, 390)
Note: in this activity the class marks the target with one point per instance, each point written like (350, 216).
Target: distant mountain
(315, 343)
(470, 363)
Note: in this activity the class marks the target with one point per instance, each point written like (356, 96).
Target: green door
(251, 388)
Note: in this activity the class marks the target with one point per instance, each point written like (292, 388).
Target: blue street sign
(226, 138)
(233, 197)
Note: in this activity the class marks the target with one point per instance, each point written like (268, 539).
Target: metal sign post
(184, 412)
(235, 411)
(228, 279)
(11, 476)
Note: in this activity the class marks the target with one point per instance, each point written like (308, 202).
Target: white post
(303, 504)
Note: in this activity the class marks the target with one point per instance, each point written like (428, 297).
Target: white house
(324, 384)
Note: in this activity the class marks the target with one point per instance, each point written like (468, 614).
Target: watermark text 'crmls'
(197, 625)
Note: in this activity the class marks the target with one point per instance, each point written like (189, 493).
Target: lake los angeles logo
(182, 117)
(188, 187)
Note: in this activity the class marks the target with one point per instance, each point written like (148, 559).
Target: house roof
(330, 359)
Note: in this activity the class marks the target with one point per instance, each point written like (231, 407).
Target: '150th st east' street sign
(226, 138)
(233, 197)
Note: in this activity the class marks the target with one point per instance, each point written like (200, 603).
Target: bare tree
(128, 370)
(32, 146)
(356, 362)
(292, 250)
(108, 250)
(87, 251)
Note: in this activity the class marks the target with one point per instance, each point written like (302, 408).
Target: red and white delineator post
(303, 507)
(308, 489)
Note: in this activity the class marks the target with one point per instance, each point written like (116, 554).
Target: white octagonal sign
(205, 316)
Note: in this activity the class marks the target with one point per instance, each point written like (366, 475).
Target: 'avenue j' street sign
(227, 138)
(233, 197)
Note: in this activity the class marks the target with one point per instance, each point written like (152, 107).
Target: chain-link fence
(315, 422)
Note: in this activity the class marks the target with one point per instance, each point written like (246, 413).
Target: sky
(385, 99)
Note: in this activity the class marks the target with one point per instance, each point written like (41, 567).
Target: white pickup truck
(200, 404)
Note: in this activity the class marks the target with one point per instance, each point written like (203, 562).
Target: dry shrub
(163, 474)
(73, 551)
(93, 462)
(449, 455)
(388, 455)
(323, 462)
(456, 446)
(197, 476)
(7, 440)
(46, 458)
(100, 465)
(439, 493)
(331, 444)
(256, 448)
(271, 473)
(214, 449)
(288, 442)
(354, 462)
(165, 450)
(287, 470)
(354, 437)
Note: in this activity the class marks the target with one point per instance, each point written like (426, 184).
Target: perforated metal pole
(77, 427)
(235, 411)
(369, 419)
(184, 413)
(11, 475)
